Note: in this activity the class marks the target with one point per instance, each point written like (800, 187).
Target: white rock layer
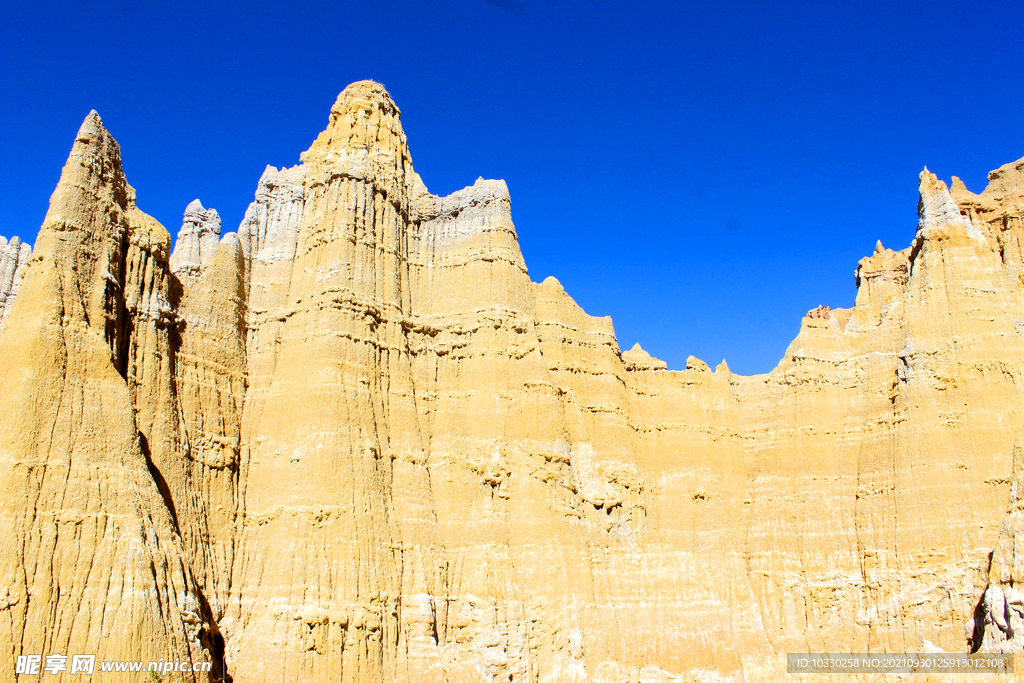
(14, 256)
(197, 239)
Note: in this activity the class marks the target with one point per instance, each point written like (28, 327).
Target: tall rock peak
(364, 140)
(365, 96)
(85, 392)
(86, 227)
(939, 214)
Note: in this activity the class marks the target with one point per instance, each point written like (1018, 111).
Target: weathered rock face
(880, 455)
(197, 239)
(91, 560)
(998, 624)
(356, 442)
(13, 257)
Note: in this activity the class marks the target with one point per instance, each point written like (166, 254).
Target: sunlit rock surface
(355, 442)
(14, 256)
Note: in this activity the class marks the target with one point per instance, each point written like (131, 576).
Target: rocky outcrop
(197, 239)
(998, 212)
(873, 434)
(91, 561)
(14, 256)
(361, 444)
(638, 359)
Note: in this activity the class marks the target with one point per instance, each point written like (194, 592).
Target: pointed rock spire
(272, 221)
(80, 354)
(957, 187)
(364, 140)
(638, 359)
(197, 239)
(86, 225)
(939, 214)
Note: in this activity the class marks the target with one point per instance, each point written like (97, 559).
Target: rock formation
(354, 441)
(998, 623)
(197, 239)
(13, 257)
(92, 561)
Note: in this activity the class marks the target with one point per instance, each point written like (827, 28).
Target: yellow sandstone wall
(355, 442)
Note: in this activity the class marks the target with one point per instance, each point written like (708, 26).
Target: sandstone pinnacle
(197, 238)
(92, 547)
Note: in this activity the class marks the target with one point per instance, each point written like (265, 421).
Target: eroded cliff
(354, 441)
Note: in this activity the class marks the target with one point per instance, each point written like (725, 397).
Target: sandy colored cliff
(354, 441)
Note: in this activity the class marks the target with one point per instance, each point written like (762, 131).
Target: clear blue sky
(703, 172)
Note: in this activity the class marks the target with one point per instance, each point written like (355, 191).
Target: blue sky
(705, 173)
